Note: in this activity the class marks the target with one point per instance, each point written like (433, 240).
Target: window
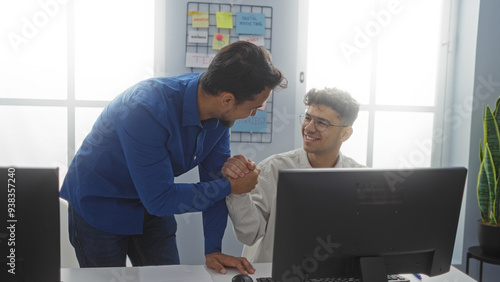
(63, 62)
(387, 54)
(391, 55)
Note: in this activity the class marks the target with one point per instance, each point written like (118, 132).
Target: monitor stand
(373, 269)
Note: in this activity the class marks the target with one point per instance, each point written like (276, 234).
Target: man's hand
(217, 261)
(237, 166)
(246, 183)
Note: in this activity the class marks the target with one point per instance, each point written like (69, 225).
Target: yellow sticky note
(200, 20)
(224, 19)
(220, 40)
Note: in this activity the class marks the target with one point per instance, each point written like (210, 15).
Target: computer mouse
(242, 278)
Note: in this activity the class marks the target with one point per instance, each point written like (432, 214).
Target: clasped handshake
(242, 174)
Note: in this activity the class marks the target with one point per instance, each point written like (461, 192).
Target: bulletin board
(242, 22)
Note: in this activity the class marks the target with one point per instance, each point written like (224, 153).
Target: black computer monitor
(365, 222)
(29, 221)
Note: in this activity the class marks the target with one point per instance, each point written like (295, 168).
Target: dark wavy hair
(243, 69)
(339, 100)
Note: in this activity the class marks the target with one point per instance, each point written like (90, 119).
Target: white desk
(199, 274)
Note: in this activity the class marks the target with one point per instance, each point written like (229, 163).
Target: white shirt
(253, 214)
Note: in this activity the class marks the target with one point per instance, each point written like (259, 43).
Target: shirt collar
(304, 161)
(190, 115)
(340, 161)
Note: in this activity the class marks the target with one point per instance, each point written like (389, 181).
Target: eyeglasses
(319, 123)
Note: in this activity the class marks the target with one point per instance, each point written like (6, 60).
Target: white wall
(485, 91)
(170, 49)
(458, 100)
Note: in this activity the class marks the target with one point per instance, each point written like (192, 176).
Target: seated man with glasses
(326, 124)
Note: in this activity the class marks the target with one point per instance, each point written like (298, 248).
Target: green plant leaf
(493, 204)
(481, 151)
(497, 105)
(486, 179)
(495, 209)
(492, 138)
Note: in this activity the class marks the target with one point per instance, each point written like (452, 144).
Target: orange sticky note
(200, 20)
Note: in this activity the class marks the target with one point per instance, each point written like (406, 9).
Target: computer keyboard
(390, 278)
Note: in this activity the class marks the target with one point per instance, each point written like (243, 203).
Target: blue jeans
(95, 248)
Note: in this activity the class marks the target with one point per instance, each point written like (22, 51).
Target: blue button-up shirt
(143, 139)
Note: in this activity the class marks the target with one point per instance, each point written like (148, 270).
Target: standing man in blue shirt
(120, 184)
